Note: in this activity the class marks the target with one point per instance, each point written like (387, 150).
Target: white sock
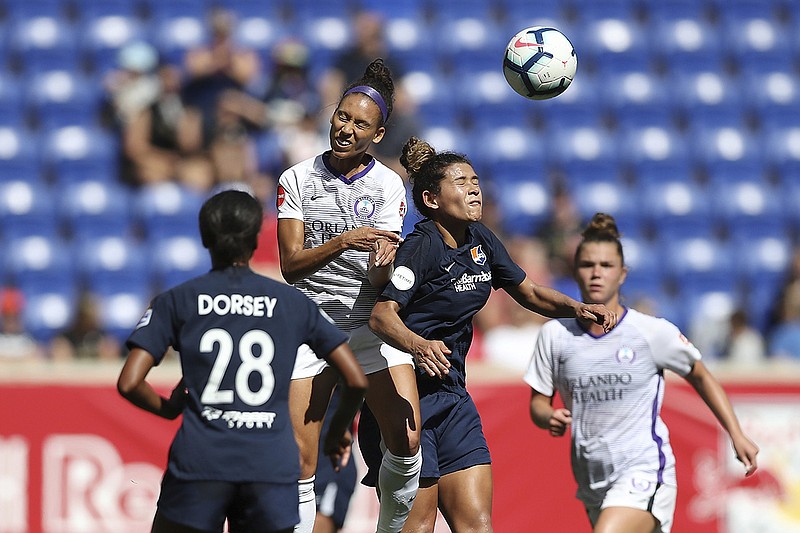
(308, 506)
(398, 481)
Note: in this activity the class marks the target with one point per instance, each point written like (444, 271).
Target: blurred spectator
(369, 44)
(561, 232)
(745, 344)
(784, 340)
(85, 339)
(162, 142)
(16, 344)
(134, 85)
(213, 69)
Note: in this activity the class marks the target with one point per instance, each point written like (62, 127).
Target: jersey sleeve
(505, 272)
(410, 267)
(671, 349)
(288, 201)
(155, 332)
(323, 335)
(395, 206)
(539, 374)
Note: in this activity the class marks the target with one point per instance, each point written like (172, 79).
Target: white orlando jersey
(330, 204)
(613, 385)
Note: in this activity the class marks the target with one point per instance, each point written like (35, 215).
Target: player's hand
(599, 314)
(366, 238)
(174, 405)
(338, 449)
(559, 421)
(384, 253)
(746, 451)
(431, 356)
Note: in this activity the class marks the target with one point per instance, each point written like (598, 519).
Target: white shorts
(632, 491)
(371, 352)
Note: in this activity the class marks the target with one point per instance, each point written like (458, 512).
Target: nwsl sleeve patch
(145, 320)
(403, 278)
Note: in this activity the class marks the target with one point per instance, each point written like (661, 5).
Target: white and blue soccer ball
(540, 62)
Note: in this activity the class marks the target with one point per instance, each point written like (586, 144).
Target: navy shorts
(334, 489)
(249, 507)
(451, 438)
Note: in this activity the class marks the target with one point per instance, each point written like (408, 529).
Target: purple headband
(374, 95)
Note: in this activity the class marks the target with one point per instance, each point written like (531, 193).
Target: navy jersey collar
(342, 177)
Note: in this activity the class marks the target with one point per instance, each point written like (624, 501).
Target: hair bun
(416, 153)
(602, 227)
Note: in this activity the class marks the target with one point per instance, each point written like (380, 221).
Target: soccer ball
(540, 62)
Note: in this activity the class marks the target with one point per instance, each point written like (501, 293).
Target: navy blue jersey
(440, 289)
(237, 334)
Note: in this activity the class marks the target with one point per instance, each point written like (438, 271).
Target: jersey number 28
(250, 362)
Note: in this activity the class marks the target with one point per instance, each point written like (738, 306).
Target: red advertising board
(78, 458)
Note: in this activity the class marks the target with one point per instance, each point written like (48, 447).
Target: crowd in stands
(223, 115)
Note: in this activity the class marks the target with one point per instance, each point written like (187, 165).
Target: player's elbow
(126, 386)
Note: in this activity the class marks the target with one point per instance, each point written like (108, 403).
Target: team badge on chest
(364, 207)
(477, 255)
(625, 355)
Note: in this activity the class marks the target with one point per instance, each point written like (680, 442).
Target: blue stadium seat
(11, 100)
(655, 171)
(489, 101)
(780, 141)
(121, 308)
(709, 97)
(49, 312)
(505, 144)
(108, 263)
(25, 9)
(606, 196)
(96, 208)
(683, 34)
(177, 259)
(699, 261)
(634, 92)
(677, 208)
(19, 155)
(747, 203)
(658, 143)
(44, 43)
(444, 10)
(102, 37)
(523, 205)
(74, 153)
(752, 32)
(581, 144)
(580, 105)
(398, 9)
(166, 209)
(643, 259)
(158, 10)
(26, 208)
(175, 35)
(39, 263)
(470, 42)
(763, 257)
(726, 145)
(610, 42)
(530, 168)
(519, 15)
(60, 98)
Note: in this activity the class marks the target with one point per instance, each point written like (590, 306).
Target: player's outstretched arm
(714, 396)
(554, 304)
(338, 440)
(132, 386)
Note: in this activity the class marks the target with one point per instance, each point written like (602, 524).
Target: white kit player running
(340, 216)
(612, 386)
